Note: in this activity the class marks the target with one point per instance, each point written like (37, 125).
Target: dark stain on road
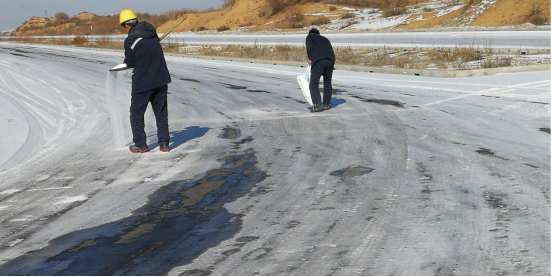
(258, 253)
(230, 133)
(489, 153)
(244, 240)
(357, 97)
(385, 102)
(232, 251)
(495, 200)
(196, 272)
(180, 221)
(352, 171)
(546, 130)
(20, 55)
(259, 91)
(536, 102)
(298, 101)
(190, 80)
(230, 86)
(423, 171)
(530, 165)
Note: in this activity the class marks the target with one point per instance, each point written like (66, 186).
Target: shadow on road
(335, 103)
(180, 137)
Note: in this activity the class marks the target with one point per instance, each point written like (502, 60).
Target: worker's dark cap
(314, 31)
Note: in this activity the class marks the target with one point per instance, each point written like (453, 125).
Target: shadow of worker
(335, 102)
(180, 137)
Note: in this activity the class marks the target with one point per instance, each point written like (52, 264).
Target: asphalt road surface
(405, 175)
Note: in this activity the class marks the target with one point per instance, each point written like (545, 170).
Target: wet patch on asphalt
(189, 80)
(230, 133)
(258, 253)
(358, 97)
(385, 102)
(352, 171)
(536, 102)
(491, 96)
(20, 55)
(546, 130)
(425, 175)
(259, 91)
(230, 86)
(196, 272)
(495, 201)
(530, 165)
(298, 101)
(489, 153)
(185, 217)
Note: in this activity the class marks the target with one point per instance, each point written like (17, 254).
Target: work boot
(164, 147)
(136, 149)
(327, 107)
(317, 108)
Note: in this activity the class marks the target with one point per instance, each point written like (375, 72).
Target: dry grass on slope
(515, 12)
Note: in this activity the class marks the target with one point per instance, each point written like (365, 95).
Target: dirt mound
(85, 16)
(252, 15)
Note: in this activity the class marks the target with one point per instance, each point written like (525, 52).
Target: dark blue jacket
(147, 59)
(319, 48)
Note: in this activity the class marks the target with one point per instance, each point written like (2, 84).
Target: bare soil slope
(258, 15)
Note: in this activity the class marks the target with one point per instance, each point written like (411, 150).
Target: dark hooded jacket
(146, 57)
(319, 48)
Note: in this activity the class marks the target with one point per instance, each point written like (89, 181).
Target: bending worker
(150, 80)
(322, 59)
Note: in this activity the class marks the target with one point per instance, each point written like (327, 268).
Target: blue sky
(14, 12)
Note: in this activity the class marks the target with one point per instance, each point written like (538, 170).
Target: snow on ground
(12, 122)
(68, 200)
(405, 175)
(372, 19)
(477, 10)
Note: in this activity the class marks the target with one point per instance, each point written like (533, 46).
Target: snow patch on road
(9, 191)
(28, 218)
(13, 243)
(40, 189)
(68, 200)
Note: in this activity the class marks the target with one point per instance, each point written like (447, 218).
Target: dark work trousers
(321, 68)
(138, 106)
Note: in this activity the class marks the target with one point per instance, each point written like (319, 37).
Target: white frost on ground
(9, 191)
(12, 243)
(68, 200)
(463, 115)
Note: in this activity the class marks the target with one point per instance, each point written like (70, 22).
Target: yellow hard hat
(126, 15)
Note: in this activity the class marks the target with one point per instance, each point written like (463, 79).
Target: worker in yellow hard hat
(126, 15)
(150, 79)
